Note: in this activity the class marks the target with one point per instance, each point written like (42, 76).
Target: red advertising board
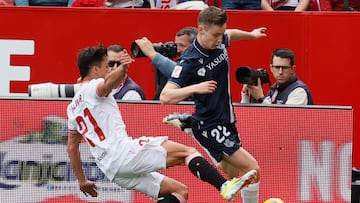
(304, 153)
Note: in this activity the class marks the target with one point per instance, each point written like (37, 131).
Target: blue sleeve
(21, 2)
(163, 64)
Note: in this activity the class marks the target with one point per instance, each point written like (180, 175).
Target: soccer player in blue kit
(203, 71)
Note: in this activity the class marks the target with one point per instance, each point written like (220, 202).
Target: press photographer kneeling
(288, 89)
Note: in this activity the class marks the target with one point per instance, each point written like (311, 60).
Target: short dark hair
(284, 53)
(89, 57)
(115, 48)
(212, 15)
(191, 32)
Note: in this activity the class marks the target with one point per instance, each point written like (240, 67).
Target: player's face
(182, 42)
(281, 69)
(104, 69)
(211, 36)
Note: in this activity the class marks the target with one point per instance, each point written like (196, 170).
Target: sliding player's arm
(86, 186)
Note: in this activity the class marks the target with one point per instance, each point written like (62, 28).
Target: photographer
(288, 89)
(165, 66)
(128, 89)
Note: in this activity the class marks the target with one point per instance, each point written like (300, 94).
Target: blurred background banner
(304, 152)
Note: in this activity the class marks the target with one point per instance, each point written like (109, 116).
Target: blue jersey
(197, 65)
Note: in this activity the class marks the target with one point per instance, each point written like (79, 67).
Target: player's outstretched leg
(206, 172)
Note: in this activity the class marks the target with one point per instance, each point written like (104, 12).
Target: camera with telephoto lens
(51, 90)
(168, 49)
(247, 75)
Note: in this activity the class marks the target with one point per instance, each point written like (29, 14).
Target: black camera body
(168, 49)
(247, 75)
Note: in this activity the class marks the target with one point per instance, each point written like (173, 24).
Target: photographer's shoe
(230, 189)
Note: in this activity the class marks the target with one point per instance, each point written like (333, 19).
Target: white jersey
(100, 122)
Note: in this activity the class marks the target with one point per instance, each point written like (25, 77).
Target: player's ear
(95, 69)
(201, 28)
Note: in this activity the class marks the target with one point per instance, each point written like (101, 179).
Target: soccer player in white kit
(93, 114)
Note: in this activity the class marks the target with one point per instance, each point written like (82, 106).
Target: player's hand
(206, 87)
(125, 59)
(259, 32)
(89, 188)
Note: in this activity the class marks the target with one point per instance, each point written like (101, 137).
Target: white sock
(250, 194)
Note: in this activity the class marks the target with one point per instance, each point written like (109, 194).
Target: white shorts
(139, 171)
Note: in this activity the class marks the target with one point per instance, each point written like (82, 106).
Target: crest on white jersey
(176, 72)
(201, 72)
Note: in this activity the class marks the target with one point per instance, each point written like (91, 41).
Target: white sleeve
(298, 97)
(245, 98)
(71, 125)
(267, 100)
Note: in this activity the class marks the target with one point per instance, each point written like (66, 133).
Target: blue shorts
(217, 139)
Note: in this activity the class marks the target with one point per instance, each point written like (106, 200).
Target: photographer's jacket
(129, 90)
(293, 89)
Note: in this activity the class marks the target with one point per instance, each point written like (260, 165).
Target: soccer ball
(274, 200)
